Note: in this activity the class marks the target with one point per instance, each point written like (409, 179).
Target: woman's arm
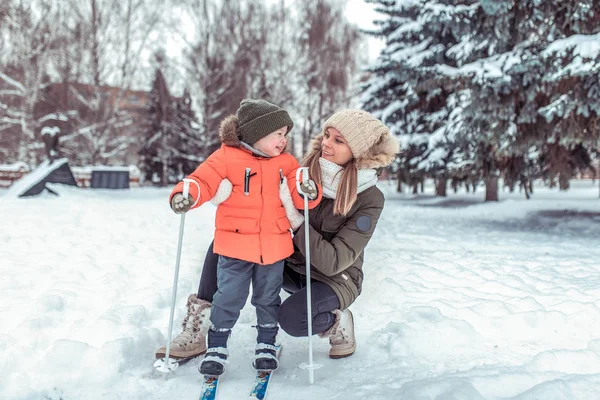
(333, 257)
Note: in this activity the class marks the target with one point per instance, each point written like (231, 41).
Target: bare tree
(28, 44)
(107, 38)
(223, 59)
(277, 63)
(328, 62)
(303, 61)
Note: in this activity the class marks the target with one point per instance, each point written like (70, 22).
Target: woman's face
(334, 147)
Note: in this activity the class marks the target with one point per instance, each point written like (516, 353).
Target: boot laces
(185, 337)
(340, 337)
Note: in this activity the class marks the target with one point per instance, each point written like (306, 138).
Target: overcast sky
(362, 14)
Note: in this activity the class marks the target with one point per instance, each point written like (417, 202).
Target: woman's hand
(309, 188)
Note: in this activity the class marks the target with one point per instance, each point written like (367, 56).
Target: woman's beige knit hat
(369, 139)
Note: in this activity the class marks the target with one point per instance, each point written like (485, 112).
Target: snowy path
(479, 301)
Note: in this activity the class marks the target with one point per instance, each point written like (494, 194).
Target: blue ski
(209, 387)
(261, 382)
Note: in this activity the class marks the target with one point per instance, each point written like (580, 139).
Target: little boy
(252, 236)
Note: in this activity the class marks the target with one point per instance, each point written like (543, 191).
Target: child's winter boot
(216, 355)
(191, 342)
(341, 335)
(265, 355)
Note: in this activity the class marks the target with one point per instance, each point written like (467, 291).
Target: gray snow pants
(233, 285)
(293, 315)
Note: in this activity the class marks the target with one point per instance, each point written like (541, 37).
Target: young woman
(343, 159)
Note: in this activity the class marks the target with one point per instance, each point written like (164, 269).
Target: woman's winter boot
(341, 335)
(191, 342)
(265, 355)
(216, 356)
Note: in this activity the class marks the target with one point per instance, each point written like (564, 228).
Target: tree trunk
(399, 187)
(531, 186)
(563, 182)
(525, 188)
(440, 187)
(416, 189)
(467, 187)
(423, 186)
(491, 188)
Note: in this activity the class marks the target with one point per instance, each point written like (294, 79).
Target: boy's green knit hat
(258, 118)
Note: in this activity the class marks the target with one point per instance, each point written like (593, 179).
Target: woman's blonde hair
(346, 194)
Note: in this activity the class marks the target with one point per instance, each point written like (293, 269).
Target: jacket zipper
(247, 182)
(247, 176)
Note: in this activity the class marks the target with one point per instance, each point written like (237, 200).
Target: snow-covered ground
(461, 301)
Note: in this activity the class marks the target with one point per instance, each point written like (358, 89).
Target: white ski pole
(165, 364)
(311, 366)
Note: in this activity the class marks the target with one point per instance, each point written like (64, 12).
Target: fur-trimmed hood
(228, 132)
(380, 155)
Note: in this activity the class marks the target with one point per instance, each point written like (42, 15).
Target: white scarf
(331, 174)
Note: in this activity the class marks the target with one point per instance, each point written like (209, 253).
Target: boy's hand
(180, 205)
(310, 189)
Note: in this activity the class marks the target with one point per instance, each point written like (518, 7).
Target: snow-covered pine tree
(519, 79)
(187, 142)
(570, 89)
(486, 121)
(408, 89)
(532, 100)
(156, 153)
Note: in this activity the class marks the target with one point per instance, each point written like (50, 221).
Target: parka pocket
(238, 225)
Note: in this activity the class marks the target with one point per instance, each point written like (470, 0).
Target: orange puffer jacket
(251, 224)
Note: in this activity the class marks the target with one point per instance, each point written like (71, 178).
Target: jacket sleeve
(296, 197)
(333, 257)
(207, 178)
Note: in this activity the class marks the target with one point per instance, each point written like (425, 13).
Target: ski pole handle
(301, 177)
(186, 187)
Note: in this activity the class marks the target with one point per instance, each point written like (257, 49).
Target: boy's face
(274, 143)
